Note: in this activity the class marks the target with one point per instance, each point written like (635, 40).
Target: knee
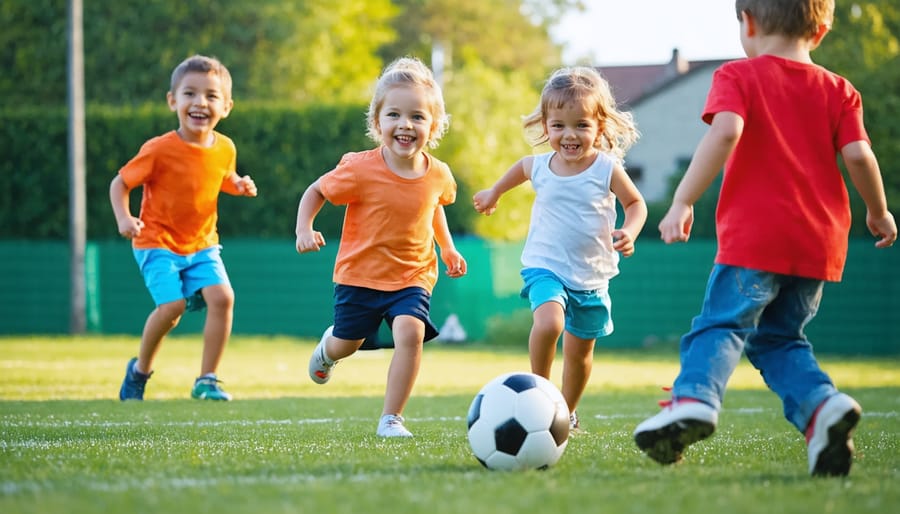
(171, 312)
(219, 298)
(548, 323)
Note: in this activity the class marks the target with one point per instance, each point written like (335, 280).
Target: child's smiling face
(200, 101)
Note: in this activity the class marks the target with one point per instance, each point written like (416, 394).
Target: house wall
(670, 126)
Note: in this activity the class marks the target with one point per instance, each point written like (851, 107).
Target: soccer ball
(518, 421)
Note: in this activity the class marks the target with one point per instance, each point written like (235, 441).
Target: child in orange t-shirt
(174, 239)
(386, 265)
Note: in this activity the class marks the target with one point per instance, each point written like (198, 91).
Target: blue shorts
(358, 311)
(588, 313)
(170, 277)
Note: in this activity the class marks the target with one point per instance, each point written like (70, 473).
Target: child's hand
(309, 241)
(130, 227)
(623, 242)
(456, 264)
(884, 228)
(676, 225)
(245, 186)
(485, 201)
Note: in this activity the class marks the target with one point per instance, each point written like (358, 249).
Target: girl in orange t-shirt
(386, 265)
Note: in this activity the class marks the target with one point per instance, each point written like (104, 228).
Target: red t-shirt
(387, 242)
(783, 206)
(181, 184)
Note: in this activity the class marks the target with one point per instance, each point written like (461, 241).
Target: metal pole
(77, 202)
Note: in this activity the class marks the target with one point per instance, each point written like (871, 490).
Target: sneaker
(829, 437)
(681, 423)
(207, 388)
(391, 425)
(134, 383)
(574, 425)
(320, 365)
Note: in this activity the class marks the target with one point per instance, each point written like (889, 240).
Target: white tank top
(571, 224)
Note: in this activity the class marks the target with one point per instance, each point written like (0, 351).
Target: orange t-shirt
(181, 185)
(387, 241)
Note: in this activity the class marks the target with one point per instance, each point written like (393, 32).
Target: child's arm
(456, 264)
(863, 169)
(486, 200)
(129, 226)
(635, 209)
(309, 240)
(237, 185)
(709, 158)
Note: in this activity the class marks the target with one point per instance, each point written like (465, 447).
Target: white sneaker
(681, 423)
(320, 365)
(829, 438)
(391, 425)
(574, 424)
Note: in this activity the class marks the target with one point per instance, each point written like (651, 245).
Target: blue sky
(618, 32)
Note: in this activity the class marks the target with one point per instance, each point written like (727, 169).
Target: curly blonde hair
(408, 71)
(585, 86)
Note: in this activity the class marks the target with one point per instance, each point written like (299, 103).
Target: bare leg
(578, 361)
(159, 323)
(549, 319)
(217, 328)
(409, 335)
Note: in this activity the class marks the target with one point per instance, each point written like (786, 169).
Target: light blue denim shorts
(588, 313)
(170, 277)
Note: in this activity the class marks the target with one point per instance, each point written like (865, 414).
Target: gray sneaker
(320, 365)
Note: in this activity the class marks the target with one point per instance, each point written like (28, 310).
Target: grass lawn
(287, 445)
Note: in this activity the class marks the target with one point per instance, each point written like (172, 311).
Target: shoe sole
(666, 444)
(837, 456)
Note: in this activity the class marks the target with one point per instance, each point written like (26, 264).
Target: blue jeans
(763, 315)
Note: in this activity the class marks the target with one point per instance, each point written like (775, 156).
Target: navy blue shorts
(359, 311)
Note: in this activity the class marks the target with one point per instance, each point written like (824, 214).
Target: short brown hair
(792, 18)
(202, 64)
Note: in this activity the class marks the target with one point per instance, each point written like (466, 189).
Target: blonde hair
(585, 86)
(408, 72)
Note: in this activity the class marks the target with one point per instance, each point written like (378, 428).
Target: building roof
(630, 84)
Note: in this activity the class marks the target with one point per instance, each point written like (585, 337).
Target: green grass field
(287, 445)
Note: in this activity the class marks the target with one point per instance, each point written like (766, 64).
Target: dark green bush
(285, 149)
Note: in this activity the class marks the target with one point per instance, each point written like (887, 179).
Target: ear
(820, 34)
(170, 99)
(749, 23)
(229, 104)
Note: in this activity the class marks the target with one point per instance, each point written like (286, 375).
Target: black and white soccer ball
(518, 421)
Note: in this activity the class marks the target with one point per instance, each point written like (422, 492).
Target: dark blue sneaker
(134, 383)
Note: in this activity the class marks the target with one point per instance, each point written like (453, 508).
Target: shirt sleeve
(725, 95)
(340, 186)
(850, 126)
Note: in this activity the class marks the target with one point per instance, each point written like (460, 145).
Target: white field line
(319, 421)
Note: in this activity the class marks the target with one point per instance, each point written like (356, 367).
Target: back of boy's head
(792, 18)
(408, 72)
(202, 64)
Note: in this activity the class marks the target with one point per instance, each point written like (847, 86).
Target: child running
(777, 122)
(573, 246)
(175, 241)
(386, 266)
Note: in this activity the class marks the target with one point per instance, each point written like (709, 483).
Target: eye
(419, 117)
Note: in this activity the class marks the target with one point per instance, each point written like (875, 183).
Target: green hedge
(283, 148)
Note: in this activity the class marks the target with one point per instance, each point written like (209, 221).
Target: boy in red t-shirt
(175, 240)
(777, 122)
